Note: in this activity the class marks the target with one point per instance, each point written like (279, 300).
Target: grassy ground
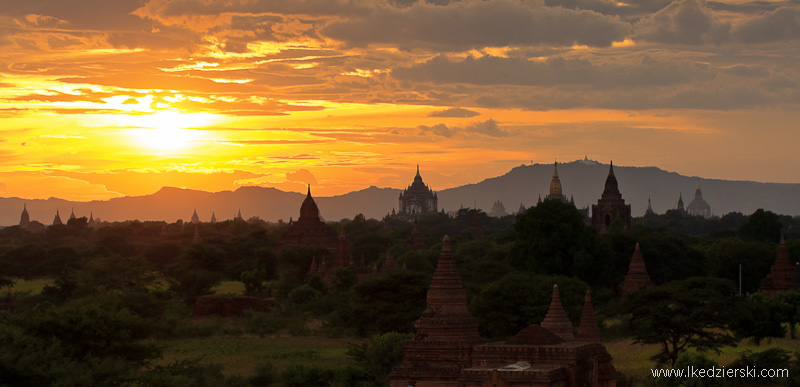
(240, 355)
(31, 286)
(235, 288)
(633, 360)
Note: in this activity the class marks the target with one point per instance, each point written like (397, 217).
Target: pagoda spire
(780, 274)
(556, 320)
(313, 269)
(24, 218)
(446, 316)
(588, 331)
(637, 277)
(57, 219)
(388, 263)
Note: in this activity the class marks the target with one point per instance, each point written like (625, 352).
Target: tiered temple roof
(417, 200)
(588, 331)
(445, 334)
(611, 206)
(556, 191)
(556, 320)
(637, 277)
(446, 351)
(781, 272)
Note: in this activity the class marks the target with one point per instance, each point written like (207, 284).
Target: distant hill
(584, 179)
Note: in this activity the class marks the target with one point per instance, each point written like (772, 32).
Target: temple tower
(588, 331)
(556, 320)
(445, 334)
(57, 220)
(309, 229)
(637, 277)
(649, 210)
(417, 200)
(195, 219)
(24, 218)
(698, 206)
(556, 192)
(781, 272)
(611, 206)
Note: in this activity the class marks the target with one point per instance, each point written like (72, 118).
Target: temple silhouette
(447, 351)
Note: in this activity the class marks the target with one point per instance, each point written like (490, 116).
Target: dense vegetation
(120, 290)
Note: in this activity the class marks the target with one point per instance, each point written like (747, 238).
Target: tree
(764, 226)
(379, 356)
(197, 271)
(505, 307)
(693, 313)
(758, 318)
(553, 239)
(390, 303)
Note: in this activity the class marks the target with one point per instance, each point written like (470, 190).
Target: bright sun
(167, 131)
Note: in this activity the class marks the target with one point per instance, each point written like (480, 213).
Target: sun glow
(169, 130)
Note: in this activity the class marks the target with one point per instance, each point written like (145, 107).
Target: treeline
(119, 288)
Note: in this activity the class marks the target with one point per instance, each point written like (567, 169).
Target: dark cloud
(493, 23)
(782, 24)
(454, 112)
(489, 70)
(440, 130)
(683, 22)
(487, 128)
(631, 9)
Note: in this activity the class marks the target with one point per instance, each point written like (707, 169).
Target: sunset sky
(101, 98)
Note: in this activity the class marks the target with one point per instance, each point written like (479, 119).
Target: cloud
(454, 112)
(467, 25)
(683, 22)
(489, 70)
(440, 130)
(486, 128)
(782, 24)
(301, 176)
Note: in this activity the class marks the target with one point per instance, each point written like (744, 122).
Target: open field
(33, 286)
(235, 288)
(240, 355)
(633, 360)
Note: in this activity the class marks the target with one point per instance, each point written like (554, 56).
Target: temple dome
(309, 209)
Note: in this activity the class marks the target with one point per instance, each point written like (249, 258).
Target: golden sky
(100, 99)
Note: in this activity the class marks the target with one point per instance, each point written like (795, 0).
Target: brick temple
(309, 229)
(780, 274)
(637, 277)
(448, 352)
(611, 206)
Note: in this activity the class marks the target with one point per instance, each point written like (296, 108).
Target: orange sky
(100, 99)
